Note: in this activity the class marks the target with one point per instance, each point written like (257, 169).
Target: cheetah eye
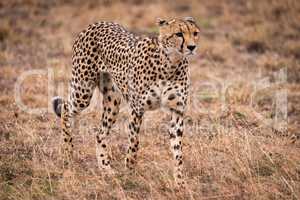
(196, 34)
(179, 34)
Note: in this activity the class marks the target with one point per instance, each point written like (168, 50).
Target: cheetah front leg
(175, 133)
(135, 121)
(174, 100)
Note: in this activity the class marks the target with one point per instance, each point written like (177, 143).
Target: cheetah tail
(56, 104)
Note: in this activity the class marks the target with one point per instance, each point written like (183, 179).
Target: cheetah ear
(189, 19)
(161, 22)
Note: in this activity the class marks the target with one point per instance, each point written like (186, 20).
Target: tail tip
(56, 103)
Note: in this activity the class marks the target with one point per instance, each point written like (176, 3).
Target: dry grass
(234, 148)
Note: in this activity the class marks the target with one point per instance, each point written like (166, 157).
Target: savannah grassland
(242, 126)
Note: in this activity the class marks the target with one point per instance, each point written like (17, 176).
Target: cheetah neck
(173, 57)
(173, 62)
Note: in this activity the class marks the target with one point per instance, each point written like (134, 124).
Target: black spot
(148, 102)
(171, 97)
(103, 145)
(105, 90)
(172, 136)
(85, 96)
(81, 105)
(179, 103)
(179, 133)
(115, 102)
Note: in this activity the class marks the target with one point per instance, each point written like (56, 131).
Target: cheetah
(147, 72)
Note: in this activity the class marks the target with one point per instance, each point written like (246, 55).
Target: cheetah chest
(164, 95)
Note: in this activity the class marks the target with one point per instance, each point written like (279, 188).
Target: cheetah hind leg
(67, 111)
(135, 121)
(111, 103)
(62, 110)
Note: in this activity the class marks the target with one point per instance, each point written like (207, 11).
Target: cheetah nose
(191, 47)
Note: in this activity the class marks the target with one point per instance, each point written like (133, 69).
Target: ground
(244, 104)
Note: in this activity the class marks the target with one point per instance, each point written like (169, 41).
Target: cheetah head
(179, 36)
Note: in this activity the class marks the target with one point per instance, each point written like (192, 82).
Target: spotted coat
(147, 72)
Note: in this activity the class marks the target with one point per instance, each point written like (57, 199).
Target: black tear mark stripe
(181, 46)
